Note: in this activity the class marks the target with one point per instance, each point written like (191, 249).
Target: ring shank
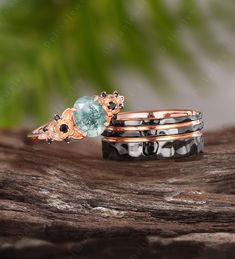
(154, 150)
(151, 139)
(154, 127)
(156, 114)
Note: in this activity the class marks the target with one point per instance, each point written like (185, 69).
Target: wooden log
(68, 193)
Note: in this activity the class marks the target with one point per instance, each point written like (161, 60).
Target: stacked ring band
(88, 118)
(153, 130)
(153, 135)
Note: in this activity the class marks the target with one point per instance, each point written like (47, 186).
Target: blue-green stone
(89, 116)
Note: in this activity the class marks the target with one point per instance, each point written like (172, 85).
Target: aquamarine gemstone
(89, 116)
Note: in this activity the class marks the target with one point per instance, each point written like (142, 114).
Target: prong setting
(115, 93)
(103, 94)
(67, 140)
(49, 141)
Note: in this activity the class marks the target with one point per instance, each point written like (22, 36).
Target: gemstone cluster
(88, 118)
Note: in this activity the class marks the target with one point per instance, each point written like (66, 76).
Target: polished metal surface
(157, 130)
(122, 121)
(153, 150)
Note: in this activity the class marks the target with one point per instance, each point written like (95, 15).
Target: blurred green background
(158, 53)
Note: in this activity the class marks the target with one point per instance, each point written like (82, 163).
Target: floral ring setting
(88, 118)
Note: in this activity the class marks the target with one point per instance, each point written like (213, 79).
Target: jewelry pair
(156, 134)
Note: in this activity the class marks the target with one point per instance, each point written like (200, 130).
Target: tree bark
(76, 203)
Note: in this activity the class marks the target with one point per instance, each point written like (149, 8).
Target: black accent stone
(150, 148)
(45, 129)
(56, 117)
(104, 94)
(112, 106)
(49, 141)
(67, 140)
(64, 128)
(121, 106)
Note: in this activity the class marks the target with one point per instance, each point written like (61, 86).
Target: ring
(153, 149)
(152, 139)
(156, 134)
(158, 117)
(88, 118)
(153, 130)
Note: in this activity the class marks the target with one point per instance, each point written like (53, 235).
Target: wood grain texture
(67, 193)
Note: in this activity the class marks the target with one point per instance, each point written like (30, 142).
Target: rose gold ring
(157, 114)
(88, 117)
(152, 139)
(154, 127)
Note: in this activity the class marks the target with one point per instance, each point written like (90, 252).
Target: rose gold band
(152, 139)
(155, 127)
(157, 114)
(38, 131)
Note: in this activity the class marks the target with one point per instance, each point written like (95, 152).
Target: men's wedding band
(156, 134)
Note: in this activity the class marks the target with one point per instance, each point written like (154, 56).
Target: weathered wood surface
(67, 193)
